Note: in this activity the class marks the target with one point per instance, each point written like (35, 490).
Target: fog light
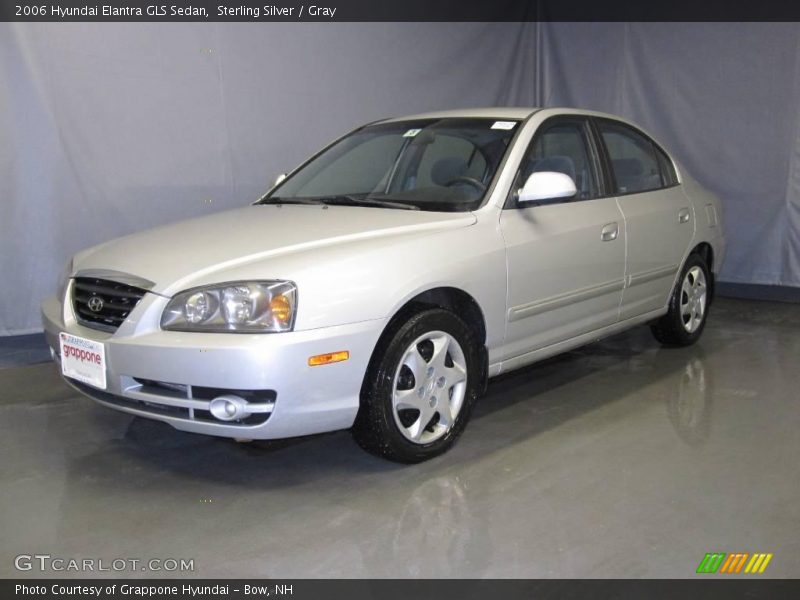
(229, 408)
(331, 357)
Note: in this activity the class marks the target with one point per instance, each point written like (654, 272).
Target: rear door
(659, 219)
(566, 258)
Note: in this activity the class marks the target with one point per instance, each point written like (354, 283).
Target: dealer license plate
(84, 360)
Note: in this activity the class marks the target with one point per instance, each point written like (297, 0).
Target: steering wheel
(468, 180)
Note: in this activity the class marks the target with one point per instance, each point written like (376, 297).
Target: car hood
(171, 257)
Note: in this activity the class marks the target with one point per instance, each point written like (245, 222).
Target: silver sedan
(379, 285)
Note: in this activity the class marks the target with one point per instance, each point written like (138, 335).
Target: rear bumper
(289, 397)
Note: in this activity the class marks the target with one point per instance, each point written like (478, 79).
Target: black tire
(376, 429)
(672, 328)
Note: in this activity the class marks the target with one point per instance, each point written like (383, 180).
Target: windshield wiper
(348, 200)
(314, 201)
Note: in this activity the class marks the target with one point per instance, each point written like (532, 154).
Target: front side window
(429, 164)
(633, 159)
(562, 147)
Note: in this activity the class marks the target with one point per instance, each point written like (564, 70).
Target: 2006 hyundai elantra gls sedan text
(380, 284)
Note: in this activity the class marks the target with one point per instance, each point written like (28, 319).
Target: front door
(566, 259)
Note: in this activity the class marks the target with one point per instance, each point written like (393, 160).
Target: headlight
(238, 306)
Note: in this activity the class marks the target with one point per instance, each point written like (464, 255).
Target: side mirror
(279, 178)
(547, 185)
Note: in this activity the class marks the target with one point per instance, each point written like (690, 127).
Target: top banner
(398, 10)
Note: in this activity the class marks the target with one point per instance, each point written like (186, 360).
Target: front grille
(103, 304)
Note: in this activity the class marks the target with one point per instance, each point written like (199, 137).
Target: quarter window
(667, 169)
(633, 159)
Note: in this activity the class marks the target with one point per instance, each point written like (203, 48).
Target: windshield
(428, 164)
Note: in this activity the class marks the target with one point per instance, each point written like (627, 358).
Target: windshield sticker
(503, 125)
(411, 132)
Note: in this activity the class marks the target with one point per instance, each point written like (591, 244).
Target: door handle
(683, 215)
(609, 232)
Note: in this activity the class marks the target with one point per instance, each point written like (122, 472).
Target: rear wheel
(688, 306)
(419, 389)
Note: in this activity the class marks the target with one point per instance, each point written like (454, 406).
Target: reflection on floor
(622, 459)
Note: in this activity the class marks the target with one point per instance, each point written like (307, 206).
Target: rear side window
(634, 159)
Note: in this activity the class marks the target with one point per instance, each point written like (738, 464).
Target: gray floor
(622, 459)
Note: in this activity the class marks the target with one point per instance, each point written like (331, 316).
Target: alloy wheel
(693, 299)
(429, 387)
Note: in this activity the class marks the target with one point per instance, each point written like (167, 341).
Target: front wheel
(688, 306)
(419, 389)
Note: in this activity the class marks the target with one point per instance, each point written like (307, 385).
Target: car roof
(521, 113)
(505, 112)
(489, 113)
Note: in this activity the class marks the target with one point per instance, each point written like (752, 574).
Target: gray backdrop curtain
(107, 129)
(724, 97)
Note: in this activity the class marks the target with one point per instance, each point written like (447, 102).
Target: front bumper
(291, 398)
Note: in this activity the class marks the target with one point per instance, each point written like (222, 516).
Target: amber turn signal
(331, 357)
(281, 308)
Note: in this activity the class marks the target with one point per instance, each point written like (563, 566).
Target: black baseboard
(17, 350)
(754, 291)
